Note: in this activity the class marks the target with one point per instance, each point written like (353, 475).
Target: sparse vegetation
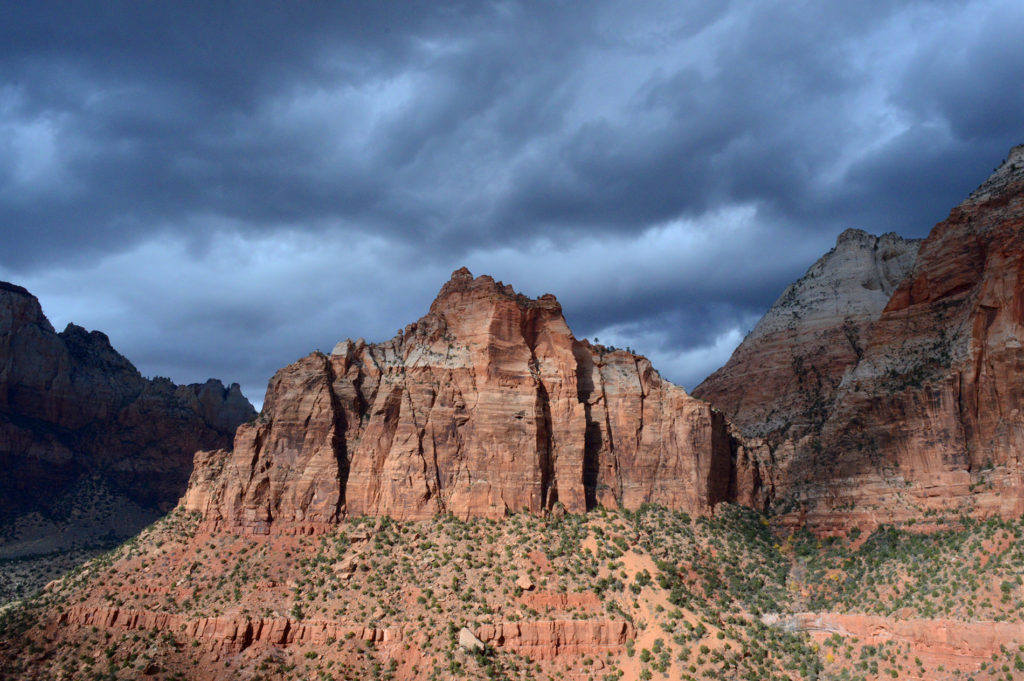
(701, 598)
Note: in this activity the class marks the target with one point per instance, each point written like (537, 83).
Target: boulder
(469, 641)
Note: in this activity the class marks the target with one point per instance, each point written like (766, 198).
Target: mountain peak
(462, 274)
(463, 289)
(21, 308)
(14, 288)
(1009, 172)
(852, 234)
(486, 405)
(789, 366)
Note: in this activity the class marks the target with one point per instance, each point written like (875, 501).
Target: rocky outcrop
(952, 639)
(934, 405)
(486, 405)
(227, 634)
(72, 408)
(543, 640)
(883, 413)
(782, 379)
(540, 640)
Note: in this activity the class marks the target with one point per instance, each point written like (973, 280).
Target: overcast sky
(224, 187)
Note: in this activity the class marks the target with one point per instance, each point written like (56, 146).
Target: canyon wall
(486, 405)
(72, 408)
(912, 408)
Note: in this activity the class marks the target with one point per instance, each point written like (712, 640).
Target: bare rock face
(540, 640)
(785, 374)
(486, 405)
(73, 409)
(919, 401)
(935, 402)
(944, 641)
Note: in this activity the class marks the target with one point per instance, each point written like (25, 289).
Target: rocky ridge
(911, 409)
(485, 406)
(785, 373)
(91, 448)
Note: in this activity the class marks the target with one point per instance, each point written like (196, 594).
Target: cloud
(242, 306)
(225, 189)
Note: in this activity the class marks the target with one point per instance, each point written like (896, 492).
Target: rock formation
(72, 409)
(486, 405)
(920, 407)
(785, 374)
(958, 646)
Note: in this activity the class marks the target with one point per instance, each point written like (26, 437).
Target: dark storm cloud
(262, 113)
(224, 186)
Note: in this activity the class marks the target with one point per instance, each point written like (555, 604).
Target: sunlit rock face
(785, 374)
(486, 405)
(918, 409)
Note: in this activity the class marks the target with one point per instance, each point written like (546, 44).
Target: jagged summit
(456, 306)
(859, 236)
(787, 369)
(463, 287)
(487, 404)
(852, 234)
(1010, 172)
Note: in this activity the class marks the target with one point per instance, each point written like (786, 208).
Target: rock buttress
(86, 442)
(876, 413)
(486, 405)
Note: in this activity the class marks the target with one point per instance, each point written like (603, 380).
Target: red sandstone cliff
(540, 640)
(487, 404)
(73, 409)
(783, 378)
(935, 403)
(926, 413)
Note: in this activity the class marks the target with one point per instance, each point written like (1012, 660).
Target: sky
(224, 187)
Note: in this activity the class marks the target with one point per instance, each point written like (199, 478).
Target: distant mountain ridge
(75, 415)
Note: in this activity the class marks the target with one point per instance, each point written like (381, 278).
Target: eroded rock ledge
(540, 640)
(963, 642)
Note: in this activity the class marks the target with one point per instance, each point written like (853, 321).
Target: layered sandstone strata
(486, 405)
(952, 646)
(540, 640)
(785, 373)
(72, 408)
(934, 405)
(920, 403)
